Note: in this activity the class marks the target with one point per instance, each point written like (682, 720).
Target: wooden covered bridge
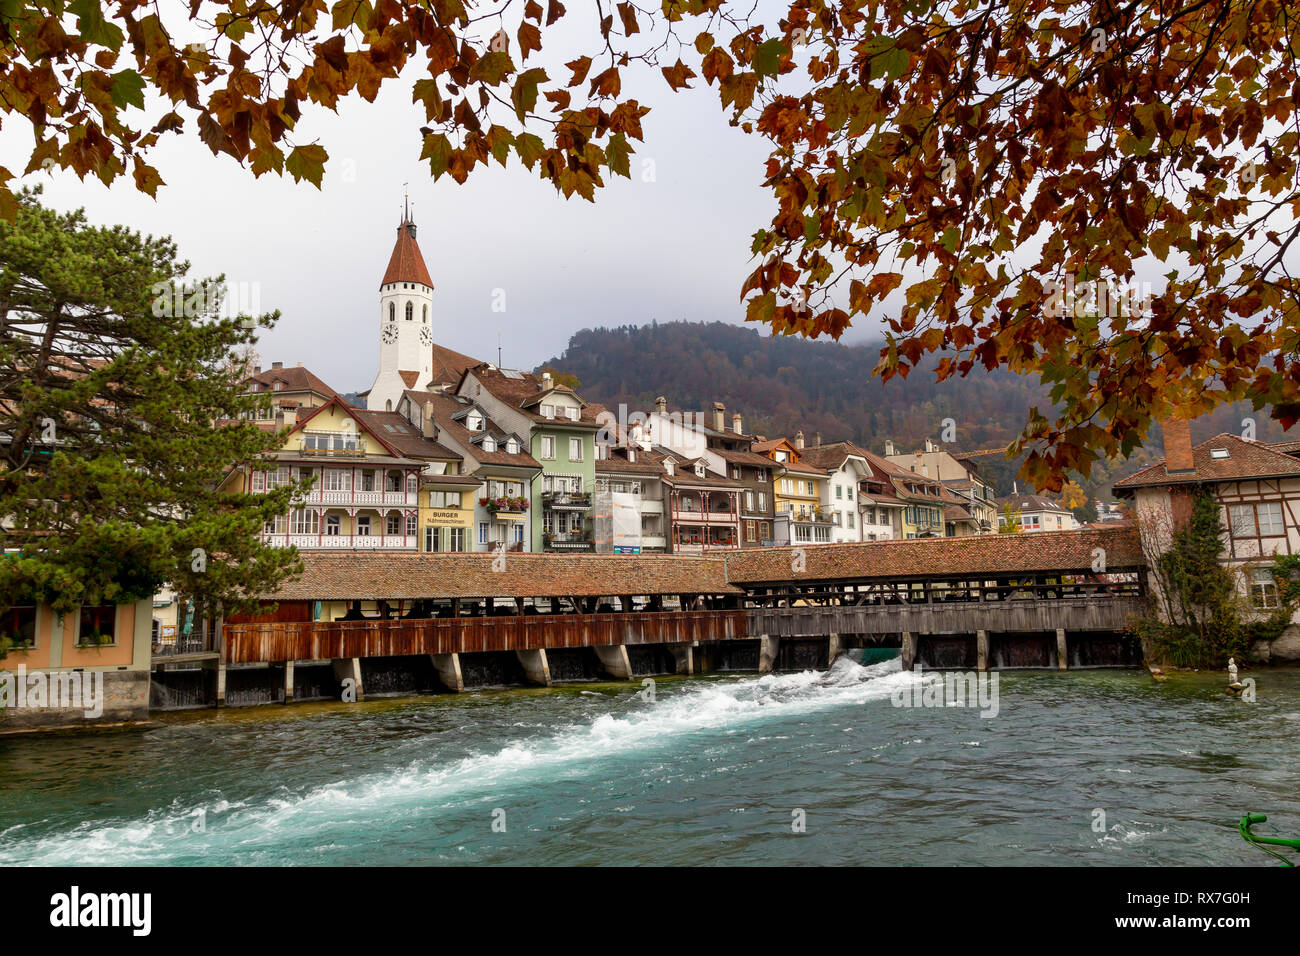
(1046, 599)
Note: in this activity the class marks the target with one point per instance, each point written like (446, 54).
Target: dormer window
(512, 446)
(699, 470)
(669, 466)
(548, 411)
(474, 422)
(489, 444)
(572, 413)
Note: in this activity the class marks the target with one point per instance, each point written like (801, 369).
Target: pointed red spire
(406, 264)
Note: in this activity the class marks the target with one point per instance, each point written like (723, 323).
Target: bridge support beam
(535, 667)
(613, 660)
(448, 669)
(833, 649)
(767, 650)
(349, 669)
(982, 650)
(1062, 651)
(909, 650)
(288, 682)
(684, 658)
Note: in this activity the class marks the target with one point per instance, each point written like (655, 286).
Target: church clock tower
(405, 323)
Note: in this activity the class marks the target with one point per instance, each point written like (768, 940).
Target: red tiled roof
(409, 378)
(522, 392)
(449, 365)
(297, 379)
(446, 406)
(974, 555)
(406, 264)
(402, 435)
(389, 576)
(1246, 459)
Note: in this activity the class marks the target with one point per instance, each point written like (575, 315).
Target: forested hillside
(782, 385)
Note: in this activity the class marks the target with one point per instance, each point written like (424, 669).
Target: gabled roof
(406, 264)
(1245, 460)
(297, 379)
(1031, 503)
(449, 365)
(363, 424)
(447, 414)
(402, 435)
(520, 389)
(832, 456)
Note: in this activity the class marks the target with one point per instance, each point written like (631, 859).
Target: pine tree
(117, 386)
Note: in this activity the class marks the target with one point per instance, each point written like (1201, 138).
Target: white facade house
(1036, 513)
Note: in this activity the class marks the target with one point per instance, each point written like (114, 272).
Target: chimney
(257, 370)
(290, 416)
(930, 445)
(427, 427)
(661, 405)
(798, 439)
(735, 423)
(817, 439)
(889, 448)
(1178, 446)
(546, 381)
(719, 417)
(277, 365)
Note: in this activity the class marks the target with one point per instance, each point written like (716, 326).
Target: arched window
(388, 405)
(410, 311)
(426, 315)
(392, 312)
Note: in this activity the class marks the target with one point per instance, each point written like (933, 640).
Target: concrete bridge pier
(613, 660)
(982, 650)
(909, 650)
(219, 667)
(684, 657)
(768, 647)
(833, 649)
(536, 669)
(349, 668)
(288, 682)
(1062, 651)
(448, 668)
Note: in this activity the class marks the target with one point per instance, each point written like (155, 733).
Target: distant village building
(1035, 513)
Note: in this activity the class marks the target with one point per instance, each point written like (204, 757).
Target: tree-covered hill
(783, 384)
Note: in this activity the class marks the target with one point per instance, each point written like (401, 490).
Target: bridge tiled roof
(349, 576)
(1067, 551)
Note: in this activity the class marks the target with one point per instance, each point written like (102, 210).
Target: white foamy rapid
(321, 814)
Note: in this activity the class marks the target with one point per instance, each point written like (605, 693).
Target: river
(810, 768)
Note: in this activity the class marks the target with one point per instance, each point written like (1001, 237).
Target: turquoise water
(712, 771)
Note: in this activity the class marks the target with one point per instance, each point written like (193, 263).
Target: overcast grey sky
(672, 248)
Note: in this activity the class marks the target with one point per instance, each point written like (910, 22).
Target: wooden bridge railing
(274, 642)
(1094, 613)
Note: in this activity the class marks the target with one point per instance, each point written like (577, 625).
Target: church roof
(406, 264)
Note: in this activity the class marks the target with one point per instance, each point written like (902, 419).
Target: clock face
(426, 337)
(390, 334)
